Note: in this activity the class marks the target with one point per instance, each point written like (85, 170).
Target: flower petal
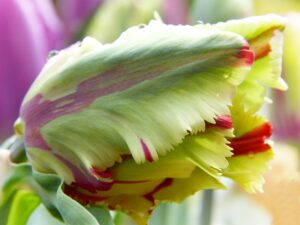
(251, 147)
(207, 150)
(264, 35)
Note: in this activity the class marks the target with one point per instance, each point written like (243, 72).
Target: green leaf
(72, 213)
(24, 203)
(49, 188)
(4, 210)
(102, 215)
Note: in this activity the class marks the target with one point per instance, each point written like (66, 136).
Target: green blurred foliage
(275, 6)
(115, 16)
(213, 11)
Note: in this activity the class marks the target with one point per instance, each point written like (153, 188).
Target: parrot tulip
(159, 114)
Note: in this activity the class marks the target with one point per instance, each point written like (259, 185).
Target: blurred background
(32, 29)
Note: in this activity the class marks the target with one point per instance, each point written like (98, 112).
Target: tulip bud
(157, 115)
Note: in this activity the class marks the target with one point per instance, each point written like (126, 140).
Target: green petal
(207, 150)
(247, 170)
(264, 35)
(244, 120)
(140, 207)
(182, 188)
(266, 72)
(173, 165)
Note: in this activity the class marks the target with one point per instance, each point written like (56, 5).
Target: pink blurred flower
(29, 30)
(75, 12)
(175, 11)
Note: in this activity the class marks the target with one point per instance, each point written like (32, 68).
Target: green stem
(207, 207)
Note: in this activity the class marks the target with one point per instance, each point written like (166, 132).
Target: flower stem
(207, 207)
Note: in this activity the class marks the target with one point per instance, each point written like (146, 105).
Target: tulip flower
(29, 30)
(159, 114)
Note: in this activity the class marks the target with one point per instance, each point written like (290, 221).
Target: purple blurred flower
(29, 30)
(75, 12)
